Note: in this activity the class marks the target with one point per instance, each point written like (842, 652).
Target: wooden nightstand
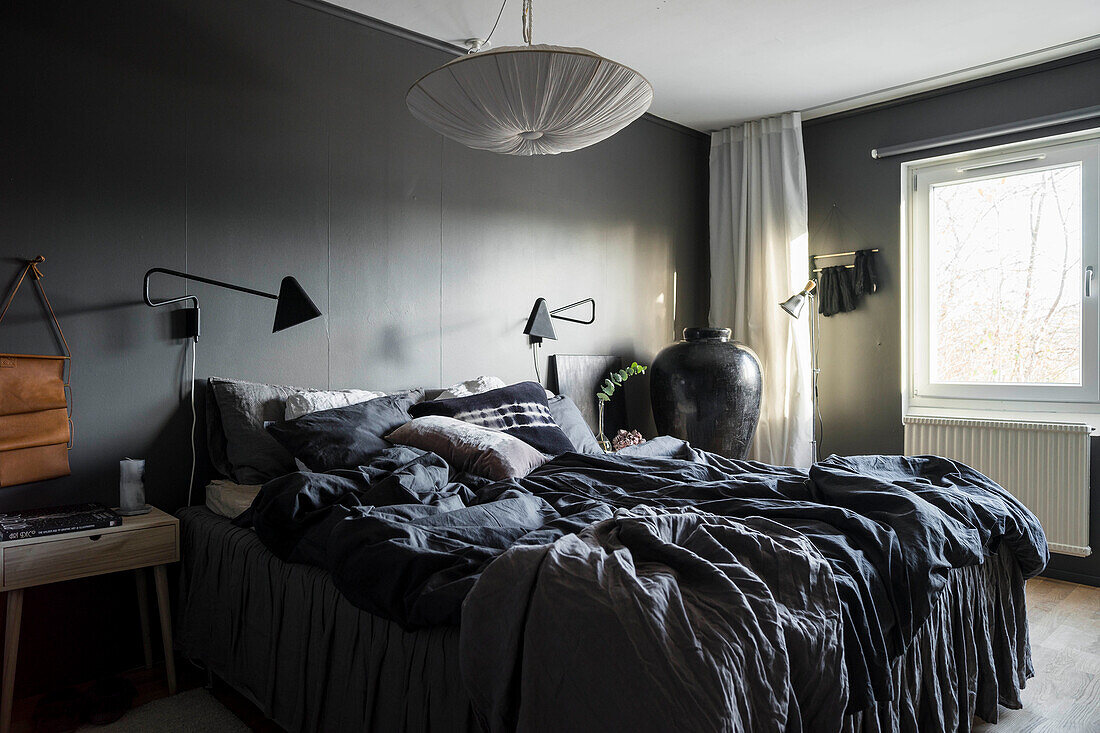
(151, 539)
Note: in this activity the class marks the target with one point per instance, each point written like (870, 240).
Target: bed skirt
(285, 638)
(972, 654)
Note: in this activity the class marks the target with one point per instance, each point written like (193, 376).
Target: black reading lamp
(540, 326)
(292, 307)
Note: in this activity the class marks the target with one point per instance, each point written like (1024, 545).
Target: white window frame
(920, 394)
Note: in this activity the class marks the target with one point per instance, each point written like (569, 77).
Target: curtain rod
(1035, 123)
(836, 254)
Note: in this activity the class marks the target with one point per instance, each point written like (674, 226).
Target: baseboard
(1071, 577)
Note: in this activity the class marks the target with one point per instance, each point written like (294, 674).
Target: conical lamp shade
(294, 306)
(530, 100)
(539, 325)
(793, 305)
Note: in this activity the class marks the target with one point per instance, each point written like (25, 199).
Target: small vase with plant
(607, 390)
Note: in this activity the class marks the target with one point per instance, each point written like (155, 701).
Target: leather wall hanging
(35, 415)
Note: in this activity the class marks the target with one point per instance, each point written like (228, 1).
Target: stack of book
(56, 520)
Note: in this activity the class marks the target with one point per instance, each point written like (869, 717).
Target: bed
(296, 634)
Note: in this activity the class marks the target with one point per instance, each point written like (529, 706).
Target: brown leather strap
(32, 267)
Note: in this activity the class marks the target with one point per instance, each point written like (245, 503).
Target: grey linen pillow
(470, 448)
(569, 418)
(244, 451)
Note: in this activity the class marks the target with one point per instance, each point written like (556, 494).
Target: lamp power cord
(194, 421)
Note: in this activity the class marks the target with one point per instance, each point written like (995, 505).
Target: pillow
(471, 448)
(228, 499)
(315, 400)
(344, 437)
(569, 419)
(239, 446)
(519, 410)
(477, 385)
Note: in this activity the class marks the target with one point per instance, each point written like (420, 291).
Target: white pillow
(477, 385)
(315, 400)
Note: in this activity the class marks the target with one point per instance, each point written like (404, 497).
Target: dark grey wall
(861, 351)
(255, 138)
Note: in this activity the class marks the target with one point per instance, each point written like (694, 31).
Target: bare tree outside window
(1004, 266)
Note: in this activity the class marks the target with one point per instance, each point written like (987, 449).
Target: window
(1001, 287)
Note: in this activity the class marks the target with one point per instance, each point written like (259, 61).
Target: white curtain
(758, 258)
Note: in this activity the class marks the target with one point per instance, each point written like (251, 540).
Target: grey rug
(195, 710)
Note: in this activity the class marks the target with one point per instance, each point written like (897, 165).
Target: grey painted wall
(860, 352)
(251, 139)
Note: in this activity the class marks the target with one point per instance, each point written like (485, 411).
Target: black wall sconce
(293, 306)
(540, 326)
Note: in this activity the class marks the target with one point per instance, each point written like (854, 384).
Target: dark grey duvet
(677, 591)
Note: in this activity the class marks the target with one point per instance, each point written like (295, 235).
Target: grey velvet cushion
(471, 448)
(568, 417)
(239, 446)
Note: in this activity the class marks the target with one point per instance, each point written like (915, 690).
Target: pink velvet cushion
(471, 448)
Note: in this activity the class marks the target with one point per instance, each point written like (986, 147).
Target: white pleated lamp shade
(530, 100)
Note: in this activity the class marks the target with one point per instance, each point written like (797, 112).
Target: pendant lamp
(529, 100)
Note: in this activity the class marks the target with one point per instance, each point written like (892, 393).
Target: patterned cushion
(519, 410)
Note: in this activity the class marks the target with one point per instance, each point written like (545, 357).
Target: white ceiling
(714, 62)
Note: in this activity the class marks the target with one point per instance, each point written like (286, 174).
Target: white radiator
(1044, 465)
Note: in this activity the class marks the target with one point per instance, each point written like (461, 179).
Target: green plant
(616, 379)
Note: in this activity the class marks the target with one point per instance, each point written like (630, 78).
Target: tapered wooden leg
(143, 614)
(11, 653)
(160, 577)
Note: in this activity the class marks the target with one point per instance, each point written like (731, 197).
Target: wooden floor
(1063, 697)
(1064, 694)
(151, 685)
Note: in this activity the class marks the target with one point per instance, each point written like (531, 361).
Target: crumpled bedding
(831, 572)
(680, 621)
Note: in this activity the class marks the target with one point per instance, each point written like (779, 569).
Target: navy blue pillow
(344, 437)
(518, 409)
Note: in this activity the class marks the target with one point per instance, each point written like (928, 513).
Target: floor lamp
(793, 307)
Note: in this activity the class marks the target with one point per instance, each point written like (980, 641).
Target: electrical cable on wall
(535, 357)
(194, 421)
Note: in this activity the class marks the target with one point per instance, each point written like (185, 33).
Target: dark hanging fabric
(864, 276)
(836, 293)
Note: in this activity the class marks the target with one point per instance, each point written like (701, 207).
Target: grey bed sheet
(285, 638)
(282, 635)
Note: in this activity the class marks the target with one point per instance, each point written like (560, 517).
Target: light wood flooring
(1064, 694)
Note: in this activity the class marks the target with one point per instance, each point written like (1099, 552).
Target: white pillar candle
(131, 488)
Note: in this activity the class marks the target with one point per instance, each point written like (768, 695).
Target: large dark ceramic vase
(706, 390)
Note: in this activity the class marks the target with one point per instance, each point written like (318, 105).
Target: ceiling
(714, 62)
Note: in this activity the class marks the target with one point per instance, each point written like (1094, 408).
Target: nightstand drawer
(77, 557)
